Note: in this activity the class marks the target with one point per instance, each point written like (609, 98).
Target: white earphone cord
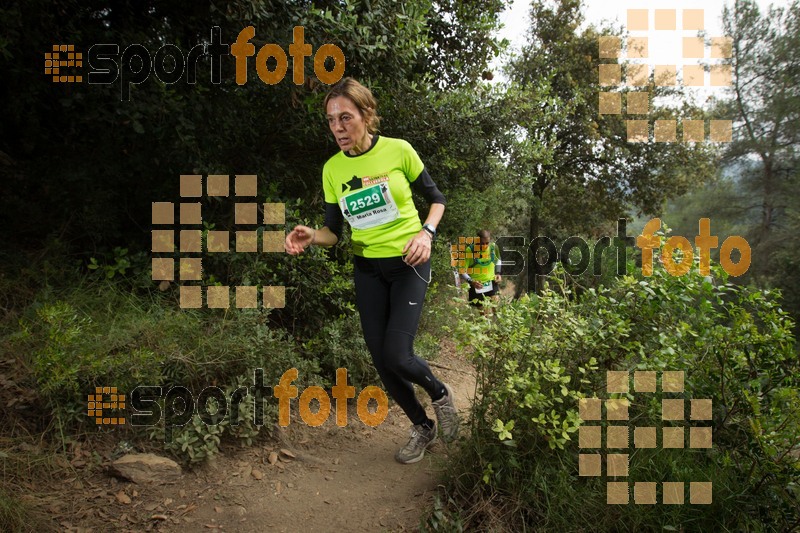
(430, 275)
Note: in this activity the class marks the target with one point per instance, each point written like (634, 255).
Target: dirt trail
(339, 479)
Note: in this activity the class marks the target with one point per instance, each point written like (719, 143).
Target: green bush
(71, 353)
(518, 467)
(98, 335)
(340, 344)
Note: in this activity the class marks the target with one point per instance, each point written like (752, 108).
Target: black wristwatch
(430, 229)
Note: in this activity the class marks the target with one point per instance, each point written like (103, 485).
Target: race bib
(369, 207)
(487, 287)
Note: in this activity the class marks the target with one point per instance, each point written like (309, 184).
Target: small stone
(146, 468)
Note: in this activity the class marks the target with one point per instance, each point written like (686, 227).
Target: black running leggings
(389, 296)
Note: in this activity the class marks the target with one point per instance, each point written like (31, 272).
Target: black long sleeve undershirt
(427, 188)
(334, 219)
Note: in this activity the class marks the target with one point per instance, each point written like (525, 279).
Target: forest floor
(340, 478)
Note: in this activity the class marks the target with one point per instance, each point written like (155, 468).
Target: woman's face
(347, 125)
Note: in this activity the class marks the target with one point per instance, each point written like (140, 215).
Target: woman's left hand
(418, 249)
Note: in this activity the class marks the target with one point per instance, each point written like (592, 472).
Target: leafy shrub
(340, 344)
(71, 353)
(518, 468)
(97, 335)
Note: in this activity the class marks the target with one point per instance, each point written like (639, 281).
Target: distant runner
(483, 271)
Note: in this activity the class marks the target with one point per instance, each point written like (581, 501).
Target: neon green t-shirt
(481, 266)
(373, 191)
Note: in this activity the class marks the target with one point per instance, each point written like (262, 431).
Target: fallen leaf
(257, 474)
(218, 509)
(288, 453)
(123, 498)
(189, 508)
(159, 517)
(273, 458)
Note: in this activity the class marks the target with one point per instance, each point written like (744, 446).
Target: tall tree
(765, 61)
(78, 162)
(580, 167)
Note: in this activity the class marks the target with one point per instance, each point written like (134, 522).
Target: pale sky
(595, 11)
(664, 47)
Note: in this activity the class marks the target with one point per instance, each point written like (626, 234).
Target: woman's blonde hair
(361, 97)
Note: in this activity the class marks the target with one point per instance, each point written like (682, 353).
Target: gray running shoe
(447, 415)
(420, 439)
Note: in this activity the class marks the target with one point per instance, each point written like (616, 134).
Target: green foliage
(518, 467)
(113, 157)
(68, 361)
(758, 197)
(198, 440)
(194, 443)
(340, 344)
(442, 518)
(575, 169)
(75, 343)
(120, 265)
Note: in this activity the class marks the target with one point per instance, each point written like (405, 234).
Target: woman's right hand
(298, 239)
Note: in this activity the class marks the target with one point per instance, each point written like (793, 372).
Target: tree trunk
(525, 282)
(767, 207)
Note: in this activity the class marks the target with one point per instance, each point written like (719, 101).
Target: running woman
(369, 183)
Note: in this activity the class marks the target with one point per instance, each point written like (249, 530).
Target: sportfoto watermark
(180, 405)
(660, 29)
(170, 65)
(514, 252)
(618, 437)
(191, 241)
